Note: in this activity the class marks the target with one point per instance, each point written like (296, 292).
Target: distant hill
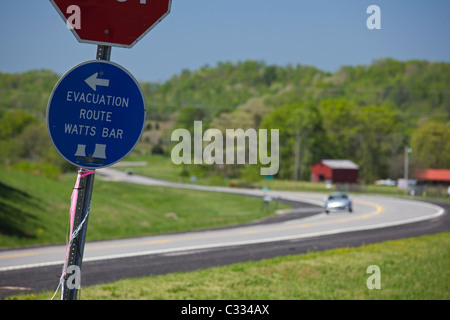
(418, 88)
(250, 93)
(28, 91)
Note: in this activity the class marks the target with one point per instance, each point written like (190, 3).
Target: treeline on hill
(367, 114)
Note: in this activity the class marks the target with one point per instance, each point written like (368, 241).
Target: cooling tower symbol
(81, 150)
(99, 151)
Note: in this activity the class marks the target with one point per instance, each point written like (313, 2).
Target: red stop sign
(119, 23)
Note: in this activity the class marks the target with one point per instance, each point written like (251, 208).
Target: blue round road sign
(96, 114)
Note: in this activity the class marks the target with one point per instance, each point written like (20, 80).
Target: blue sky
(323, 33)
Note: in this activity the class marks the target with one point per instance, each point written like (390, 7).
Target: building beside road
(335, 171)
(433, 181)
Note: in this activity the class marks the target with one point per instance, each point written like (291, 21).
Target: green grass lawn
(35, 209)
(414, 268)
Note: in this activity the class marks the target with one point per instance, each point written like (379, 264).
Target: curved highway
(306, 227)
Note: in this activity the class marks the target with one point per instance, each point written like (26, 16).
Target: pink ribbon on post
(73, 209)
(74, 197)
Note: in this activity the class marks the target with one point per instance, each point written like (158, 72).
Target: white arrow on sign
(93, 82)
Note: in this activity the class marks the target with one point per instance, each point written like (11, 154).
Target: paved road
(374, 218)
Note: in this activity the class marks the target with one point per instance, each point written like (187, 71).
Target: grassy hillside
(34, 209)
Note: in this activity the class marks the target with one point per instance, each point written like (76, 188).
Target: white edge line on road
(439, 212)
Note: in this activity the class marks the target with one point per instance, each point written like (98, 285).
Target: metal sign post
(76, 249)
(96, 112)
(95, 116)
(83, 206)
(104, 53)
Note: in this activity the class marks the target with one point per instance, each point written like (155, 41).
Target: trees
(12, 125)
(336, 129)
(362, 113)
(375, 132)
(340, 124)
(300, 128)
(24, 139)
(431, 145)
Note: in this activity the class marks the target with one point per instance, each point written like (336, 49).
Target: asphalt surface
(107, 270)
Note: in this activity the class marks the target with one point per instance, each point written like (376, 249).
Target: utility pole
(76, 248)
(296, 156)
(83, 206)
(406, 165)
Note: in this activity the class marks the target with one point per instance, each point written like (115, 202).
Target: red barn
(336, 171)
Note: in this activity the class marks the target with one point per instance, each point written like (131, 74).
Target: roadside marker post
(91, 99)
(83, 206)
(70, 289)
(96, 112)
